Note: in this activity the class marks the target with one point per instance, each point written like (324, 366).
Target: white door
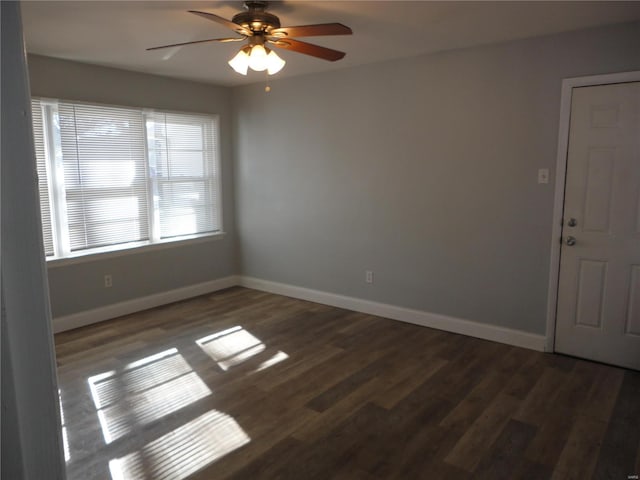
(598, 313)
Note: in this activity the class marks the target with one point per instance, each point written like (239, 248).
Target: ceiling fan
(261, 28)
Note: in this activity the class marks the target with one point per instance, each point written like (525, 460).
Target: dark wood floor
(247, 385)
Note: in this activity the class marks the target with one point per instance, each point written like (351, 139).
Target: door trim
(568, 84)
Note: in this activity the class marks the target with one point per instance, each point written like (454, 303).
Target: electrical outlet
(368, 276)
(108, 281)
(543, 175)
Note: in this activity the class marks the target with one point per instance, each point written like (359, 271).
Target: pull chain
(267, 88)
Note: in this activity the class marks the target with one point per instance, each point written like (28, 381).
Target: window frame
(57, 198)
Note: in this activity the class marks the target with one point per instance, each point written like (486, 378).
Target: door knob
(571, 241)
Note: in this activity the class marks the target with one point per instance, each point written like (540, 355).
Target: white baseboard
(87, 317)
(494, 333)
(433, 320)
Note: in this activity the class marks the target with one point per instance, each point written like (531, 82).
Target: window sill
(131, 249)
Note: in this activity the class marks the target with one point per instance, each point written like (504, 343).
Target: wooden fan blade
(199, 41)
(312, 30)
(223, 21)
(307, 48)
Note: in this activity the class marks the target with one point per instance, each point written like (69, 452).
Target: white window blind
(105, 175)
(114, 176)
(182, 157)
(41, 164)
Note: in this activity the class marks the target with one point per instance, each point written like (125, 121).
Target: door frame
(568, 84)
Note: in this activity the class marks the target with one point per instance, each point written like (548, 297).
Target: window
(116, 177)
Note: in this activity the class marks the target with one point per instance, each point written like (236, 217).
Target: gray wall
(423, 170)
(79, 287)
(31, 446)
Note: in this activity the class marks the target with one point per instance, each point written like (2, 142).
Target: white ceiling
(116, 33)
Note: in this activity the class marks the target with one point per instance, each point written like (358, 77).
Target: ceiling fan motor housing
(256, 19)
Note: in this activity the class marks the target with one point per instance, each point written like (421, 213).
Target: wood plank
(477, 440)
(554, 430)
(399, 386)
(425, 451)
(622, 438)
(266, 465)
(507, 452)
(389, 444)
(580, 452)
(536, 405)
(603, 393)
(471, 406)
(340, 390)
(529, 470)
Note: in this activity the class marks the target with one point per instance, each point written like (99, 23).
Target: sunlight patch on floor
(65, 437)
(231, 347)
(145, 391)
(184, 450)
(276, 358)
